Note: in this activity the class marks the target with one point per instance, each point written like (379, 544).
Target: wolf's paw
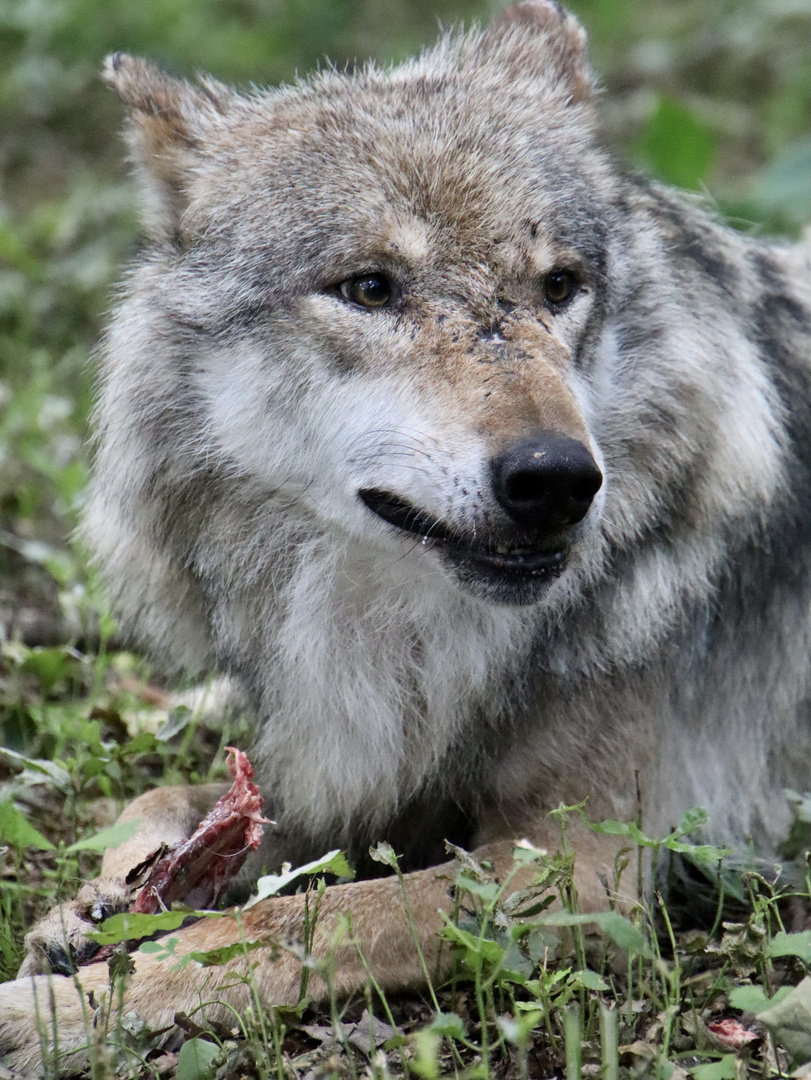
(59, 942)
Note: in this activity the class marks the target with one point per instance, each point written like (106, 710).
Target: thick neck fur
(365, 676)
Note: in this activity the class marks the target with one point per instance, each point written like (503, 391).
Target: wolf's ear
(168, 121)
(539, 36)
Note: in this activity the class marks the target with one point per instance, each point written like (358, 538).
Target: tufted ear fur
(168, 120)
(540, 36)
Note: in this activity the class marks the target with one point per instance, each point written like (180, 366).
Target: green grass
(538, 988)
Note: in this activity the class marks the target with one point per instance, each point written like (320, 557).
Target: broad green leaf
(691, 820)
(384, 853)
(703, 855)
(218, 957)
(485, 890)
(177, 720)
(107, 838)
(790, 1021)
(130, 926)
(783, 944)
(517, 966)
(40, 768)
(525, 853)
(629, 829)
(196, 1060)
(166, 945)
(551, 980)
(142, 743)
(614, 828)
(426, 1056)
(613, 925)
(528, 912)
(334, 862)
(753, 999)
(448, 1024)
(716, 1070)
(700, 854)
(590, 980)
(394, 1043)
(516, 1029)
(15, 829)
(49, 665)
(477, 951)
(163, 949)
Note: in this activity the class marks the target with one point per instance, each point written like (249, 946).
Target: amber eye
(559, 286)
(367, 290)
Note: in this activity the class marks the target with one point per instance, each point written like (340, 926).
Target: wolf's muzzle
(544, 484)
(547, 482)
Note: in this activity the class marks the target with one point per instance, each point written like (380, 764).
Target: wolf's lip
(507, 558)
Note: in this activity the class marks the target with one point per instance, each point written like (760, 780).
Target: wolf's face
(427, 419)
(391, 288)
(449, 441)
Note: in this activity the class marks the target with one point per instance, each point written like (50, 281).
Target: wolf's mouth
(527, 559)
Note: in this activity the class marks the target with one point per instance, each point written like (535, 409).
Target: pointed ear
(169, 119)
(540, 37)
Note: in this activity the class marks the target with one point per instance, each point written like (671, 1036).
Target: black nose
(547, 482)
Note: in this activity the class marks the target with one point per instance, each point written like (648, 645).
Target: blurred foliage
(710, 94)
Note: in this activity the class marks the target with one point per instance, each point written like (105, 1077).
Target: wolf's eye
(559, 286)
(367, 290)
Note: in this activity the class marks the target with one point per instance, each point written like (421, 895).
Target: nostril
(586, 489)
(526, 486)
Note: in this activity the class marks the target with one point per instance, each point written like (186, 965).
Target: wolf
(480, 465)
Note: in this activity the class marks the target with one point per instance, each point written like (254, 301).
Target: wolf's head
(378, 291)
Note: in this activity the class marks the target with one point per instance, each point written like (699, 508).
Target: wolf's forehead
(426, 166)
(431, 153)
(416, 144)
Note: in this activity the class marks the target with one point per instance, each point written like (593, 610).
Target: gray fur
(243, 406)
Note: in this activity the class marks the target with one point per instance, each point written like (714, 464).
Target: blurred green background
(707, 94)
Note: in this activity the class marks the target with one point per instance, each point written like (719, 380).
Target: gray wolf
(481, 466)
